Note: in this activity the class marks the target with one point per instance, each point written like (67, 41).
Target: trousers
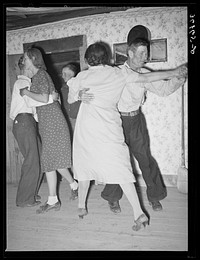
(26, 134)
(137, 139)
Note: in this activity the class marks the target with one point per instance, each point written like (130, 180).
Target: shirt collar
(126, 64)
(98, 67)
(24, 77)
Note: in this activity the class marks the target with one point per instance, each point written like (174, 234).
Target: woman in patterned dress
(53, 128)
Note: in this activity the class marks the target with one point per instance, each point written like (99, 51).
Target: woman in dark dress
(53, 128)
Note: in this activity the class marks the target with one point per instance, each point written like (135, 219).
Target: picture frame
(158, 51)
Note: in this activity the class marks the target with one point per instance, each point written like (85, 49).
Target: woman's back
(105, 82)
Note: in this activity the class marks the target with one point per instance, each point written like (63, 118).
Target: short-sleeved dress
(53, 128)
(99, 149)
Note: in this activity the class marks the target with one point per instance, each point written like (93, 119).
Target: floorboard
(100, 229)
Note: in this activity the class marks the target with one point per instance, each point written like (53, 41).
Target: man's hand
(182, 71)
(178, 80)
(84, 96)
(55, 96)
(22, 91)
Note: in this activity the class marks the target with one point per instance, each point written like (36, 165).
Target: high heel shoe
(82, 212)
(141, 221)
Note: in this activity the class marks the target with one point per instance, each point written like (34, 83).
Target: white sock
(74, 185)
(52, 200)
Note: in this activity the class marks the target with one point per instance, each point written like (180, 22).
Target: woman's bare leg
(131, 194)
(83, 190)
(52, 185)
(52, 182)
(66, 174)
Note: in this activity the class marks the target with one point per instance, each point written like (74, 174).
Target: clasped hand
(182, 71)
(55, 96)
(22, 91)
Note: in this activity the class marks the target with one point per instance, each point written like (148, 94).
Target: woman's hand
(22, 91)
(55, 96)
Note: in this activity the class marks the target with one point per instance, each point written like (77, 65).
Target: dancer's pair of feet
(141, 221)
(56, 206)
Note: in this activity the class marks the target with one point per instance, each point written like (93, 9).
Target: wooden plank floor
(100, 229)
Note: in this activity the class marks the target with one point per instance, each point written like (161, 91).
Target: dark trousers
(26, 134)
(137, 138)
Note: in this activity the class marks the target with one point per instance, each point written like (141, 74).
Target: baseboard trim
(169, 180)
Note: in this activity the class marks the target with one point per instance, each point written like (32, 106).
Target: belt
(24, 114)
(132, 113)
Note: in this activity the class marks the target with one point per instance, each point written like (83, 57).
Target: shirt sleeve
(33, 103)
(23, 84)
(74, 87)
(165, 87)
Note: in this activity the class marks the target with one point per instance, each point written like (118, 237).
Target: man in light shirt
(25, 131)
(133, 120)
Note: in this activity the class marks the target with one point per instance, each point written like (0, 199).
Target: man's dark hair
(73, 66)
(21, 63)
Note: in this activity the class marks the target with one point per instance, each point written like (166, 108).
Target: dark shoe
(46, 207)
(37, 197)
(140, 222)
(30, 205)
(82, 212)
(156, 205)
(114, 206)
(74, 194)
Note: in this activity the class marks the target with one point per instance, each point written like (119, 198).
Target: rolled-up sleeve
(74, 87)
(165, 87)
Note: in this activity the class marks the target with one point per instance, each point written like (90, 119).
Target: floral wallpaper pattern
(163, 114)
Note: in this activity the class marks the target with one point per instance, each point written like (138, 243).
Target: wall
(163, 114)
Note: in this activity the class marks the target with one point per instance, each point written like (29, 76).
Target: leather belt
(132, 113)
(24, 114)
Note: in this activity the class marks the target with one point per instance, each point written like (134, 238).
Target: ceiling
(22, 17)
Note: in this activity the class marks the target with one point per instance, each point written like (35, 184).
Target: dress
(53, 128)
(99, 150)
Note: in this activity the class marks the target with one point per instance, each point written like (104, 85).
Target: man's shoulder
(22, 82)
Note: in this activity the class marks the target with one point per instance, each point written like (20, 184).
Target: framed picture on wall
(158, 51)
(119, 52)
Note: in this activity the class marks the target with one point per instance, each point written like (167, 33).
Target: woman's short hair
(36, 56)
(97, 54)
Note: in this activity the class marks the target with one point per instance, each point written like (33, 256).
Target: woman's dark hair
(97, 54)
(75, 67)
(36, 56)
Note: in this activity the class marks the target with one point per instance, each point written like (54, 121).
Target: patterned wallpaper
(163, 114)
